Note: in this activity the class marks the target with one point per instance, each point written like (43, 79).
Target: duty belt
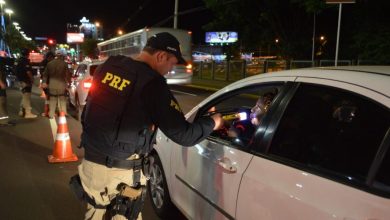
(110, 162)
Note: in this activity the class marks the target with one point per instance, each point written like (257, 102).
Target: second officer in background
(56, 78)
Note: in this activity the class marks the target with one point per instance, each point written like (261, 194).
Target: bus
(131, 44)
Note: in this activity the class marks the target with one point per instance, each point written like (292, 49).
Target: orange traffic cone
(62, 151)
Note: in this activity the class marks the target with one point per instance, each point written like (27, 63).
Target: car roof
(376, 78)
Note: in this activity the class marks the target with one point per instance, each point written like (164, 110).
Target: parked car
(8, 68)
(81, 83)
(319, 151)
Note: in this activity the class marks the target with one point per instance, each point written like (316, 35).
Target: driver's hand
(44, 85)
(218, 121)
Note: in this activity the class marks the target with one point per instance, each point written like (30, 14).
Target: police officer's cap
(166, 42)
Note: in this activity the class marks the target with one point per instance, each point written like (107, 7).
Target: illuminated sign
(74, 38)
(221, 37)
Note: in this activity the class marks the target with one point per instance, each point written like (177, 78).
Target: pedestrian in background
(56, 78)
(48, 57)
(129, 100)
(4, 118)
(25, 76)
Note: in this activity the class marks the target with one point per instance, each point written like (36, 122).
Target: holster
(128, 202)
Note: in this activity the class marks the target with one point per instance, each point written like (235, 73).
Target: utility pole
(314, 37)
(175, 14)
(340, 3)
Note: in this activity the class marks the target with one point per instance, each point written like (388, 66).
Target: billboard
(74, 38)
(221, 37)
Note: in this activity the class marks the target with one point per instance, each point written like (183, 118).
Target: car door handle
(227, 165)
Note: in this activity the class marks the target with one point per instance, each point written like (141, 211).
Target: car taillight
(189, 68)
(87, 84)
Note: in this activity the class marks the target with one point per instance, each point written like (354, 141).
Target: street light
(9, 12)
(120, 32)
(2, 2)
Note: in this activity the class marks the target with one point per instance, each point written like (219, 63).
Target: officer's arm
(30, 75)
(29, 71)
(45, 74)
(68, 74)
(167, 115)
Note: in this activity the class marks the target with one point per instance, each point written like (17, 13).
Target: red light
(50, 41)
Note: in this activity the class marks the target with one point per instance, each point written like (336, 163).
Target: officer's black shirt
(150, 104)
(167, 115)
(22, 67)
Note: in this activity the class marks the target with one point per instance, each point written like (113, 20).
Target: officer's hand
(217, 120)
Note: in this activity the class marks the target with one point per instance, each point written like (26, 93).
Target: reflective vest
(114, 121)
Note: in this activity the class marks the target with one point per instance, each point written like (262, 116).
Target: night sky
(42, 18)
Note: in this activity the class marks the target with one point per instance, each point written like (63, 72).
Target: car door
(321, 159)
(207, 176)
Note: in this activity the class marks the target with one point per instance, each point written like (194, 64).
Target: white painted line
(53, 126)
(185, 93)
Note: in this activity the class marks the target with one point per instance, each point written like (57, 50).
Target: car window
(331, 131)
(242, 112)
(80, 70)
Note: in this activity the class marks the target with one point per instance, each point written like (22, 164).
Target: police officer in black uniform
(25, 77)
(128, 101)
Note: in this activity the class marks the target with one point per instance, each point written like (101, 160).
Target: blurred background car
(80, 84)
(320, 150)
(8, 68)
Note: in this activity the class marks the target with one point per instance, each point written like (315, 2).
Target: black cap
(166, 42)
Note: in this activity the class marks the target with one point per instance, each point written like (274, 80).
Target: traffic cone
(62, 151)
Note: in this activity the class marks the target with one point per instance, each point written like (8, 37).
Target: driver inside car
(242, 129)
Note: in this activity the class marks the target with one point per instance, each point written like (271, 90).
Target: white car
(321, 150)
(81, 83)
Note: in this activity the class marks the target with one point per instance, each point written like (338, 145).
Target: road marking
(53, 125)
(185, 93)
